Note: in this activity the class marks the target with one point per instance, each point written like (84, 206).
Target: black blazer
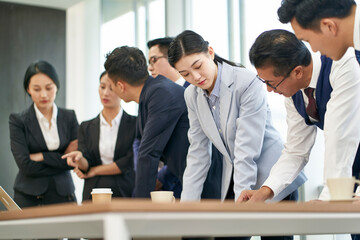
(26, 137)
(162, 128)
(89, 135)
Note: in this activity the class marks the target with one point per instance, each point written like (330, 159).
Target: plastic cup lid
(101, 190)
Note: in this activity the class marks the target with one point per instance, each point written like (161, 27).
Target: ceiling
(58, 4)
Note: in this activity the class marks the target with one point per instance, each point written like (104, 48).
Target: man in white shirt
(287, 67)
(330, 26)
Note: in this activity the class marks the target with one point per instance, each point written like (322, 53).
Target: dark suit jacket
(162, 127)
(26, 137)
(89, 135)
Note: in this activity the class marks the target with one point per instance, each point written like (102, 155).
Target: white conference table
(124, 219)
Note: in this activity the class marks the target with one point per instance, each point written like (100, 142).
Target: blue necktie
(357, 54)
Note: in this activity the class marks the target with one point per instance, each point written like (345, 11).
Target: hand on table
(260, 195)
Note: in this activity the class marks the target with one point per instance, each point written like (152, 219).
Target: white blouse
(108, 137)
(50, 132)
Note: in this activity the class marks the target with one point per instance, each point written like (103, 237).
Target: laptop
(8, 202)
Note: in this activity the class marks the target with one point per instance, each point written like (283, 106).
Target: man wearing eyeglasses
(158, 62)
(320, 93)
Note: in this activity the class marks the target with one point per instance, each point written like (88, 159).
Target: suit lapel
(61, 126)
(120, 139)
(207, 121)
(34, 127)
(226, 96)
(95, 134)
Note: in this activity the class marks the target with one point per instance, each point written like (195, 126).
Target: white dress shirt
(108, 137)
(357, 29)
(49, 132)
(341, 128)
(180, 81)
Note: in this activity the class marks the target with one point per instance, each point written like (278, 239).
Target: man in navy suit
(162, 122)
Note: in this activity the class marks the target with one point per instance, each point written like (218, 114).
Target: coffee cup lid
(101, 190)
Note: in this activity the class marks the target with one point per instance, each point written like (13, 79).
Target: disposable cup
(101, 195)
(162, 196)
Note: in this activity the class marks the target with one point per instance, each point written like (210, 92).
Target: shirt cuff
(275, 185)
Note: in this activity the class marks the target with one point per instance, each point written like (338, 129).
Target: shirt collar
(216, 91)
(40, 116)
(114, 122)
(180, 81)
(316, 58)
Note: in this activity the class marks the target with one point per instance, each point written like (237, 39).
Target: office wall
(26, 34)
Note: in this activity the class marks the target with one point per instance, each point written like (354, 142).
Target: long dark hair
(189, 42)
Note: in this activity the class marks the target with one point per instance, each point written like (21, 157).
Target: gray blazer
(251, 144)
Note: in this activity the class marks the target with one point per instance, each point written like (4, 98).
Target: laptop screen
(8, 202)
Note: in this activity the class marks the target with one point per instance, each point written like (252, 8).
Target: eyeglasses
(277, 85)
(154, 59)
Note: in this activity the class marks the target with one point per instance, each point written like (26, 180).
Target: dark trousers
(51, 196)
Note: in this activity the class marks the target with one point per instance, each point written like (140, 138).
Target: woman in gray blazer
(105, 155)
(227, 106)
(39, 136)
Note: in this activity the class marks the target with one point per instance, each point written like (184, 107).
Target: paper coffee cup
(162, 196)
(101, 195)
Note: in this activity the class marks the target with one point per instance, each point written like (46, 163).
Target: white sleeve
(341, 126)
(300, 140)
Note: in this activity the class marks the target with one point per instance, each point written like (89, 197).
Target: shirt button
(214, 107)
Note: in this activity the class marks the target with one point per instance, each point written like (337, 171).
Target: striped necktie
(357, 54)
(311, 108)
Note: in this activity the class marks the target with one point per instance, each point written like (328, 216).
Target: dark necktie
(357, 54)
(311, 108)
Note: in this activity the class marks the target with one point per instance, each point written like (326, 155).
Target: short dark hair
(128, 64)
(163, 44)
(40, 66)
(280, 49)
(308, 13)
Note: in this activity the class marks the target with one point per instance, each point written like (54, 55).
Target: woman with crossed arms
(39, 136)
